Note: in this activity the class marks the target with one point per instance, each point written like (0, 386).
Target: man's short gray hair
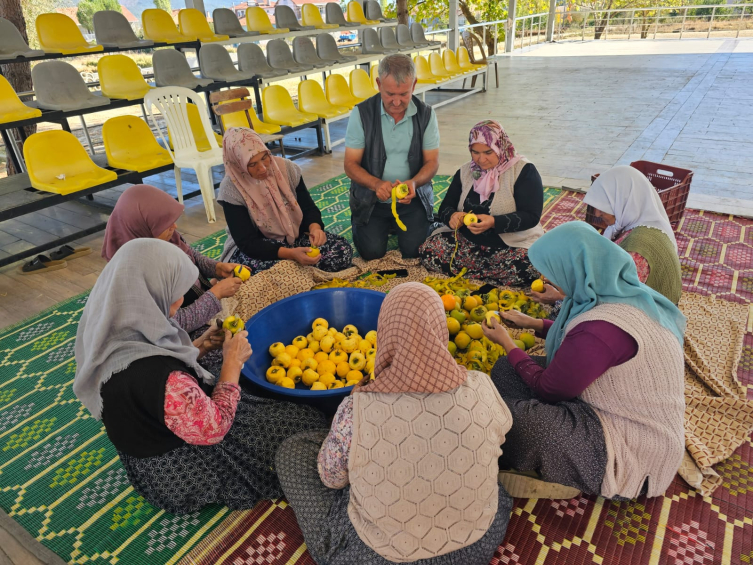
(399, 67)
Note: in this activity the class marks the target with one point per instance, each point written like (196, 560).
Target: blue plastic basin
(291, 317)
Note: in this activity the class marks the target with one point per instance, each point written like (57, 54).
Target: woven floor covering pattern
(61, 480)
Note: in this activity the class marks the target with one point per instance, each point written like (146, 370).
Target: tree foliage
(163, 5)
(86, 9)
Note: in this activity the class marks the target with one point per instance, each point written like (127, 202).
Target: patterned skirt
(322, 513)
(337, 255)
(237, 472)
(508, 266)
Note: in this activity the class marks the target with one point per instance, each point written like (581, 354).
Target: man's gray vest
(363, 199)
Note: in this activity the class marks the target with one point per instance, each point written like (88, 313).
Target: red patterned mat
(680, 528)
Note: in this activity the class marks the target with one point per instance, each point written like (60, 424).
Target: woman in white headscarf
(184, 440)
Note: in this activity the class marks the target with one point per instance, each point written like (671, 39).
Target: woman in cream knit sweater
(604, 412)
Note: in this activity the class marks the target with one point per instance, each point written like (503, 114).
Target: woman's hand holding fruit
(299, 255)
(226, 287)
(485, 222)
(550, 295)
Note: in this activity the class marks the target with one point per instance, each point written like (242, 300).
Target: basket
(671, 183)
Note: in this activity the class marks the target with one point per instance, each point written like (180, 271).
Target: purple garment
(588, 351)
(206, 306)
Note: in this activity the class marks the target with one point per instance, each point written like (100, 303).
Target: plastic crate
(671, 183)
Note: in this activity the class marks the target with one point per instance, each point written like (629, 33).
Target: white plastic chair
(172, 102)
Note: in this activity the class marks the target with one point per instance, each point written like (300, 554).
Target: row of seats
(449, 66)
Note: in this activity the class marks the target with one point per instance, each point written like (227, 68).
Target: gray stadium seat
(334, 15)
(172, 69)
(388, 40)
(112, 29)
(280, 57)
(12, 43)
(215, 63)
(304, 53)
(326, 48)
(59, 86)
(372, 45)
(251, 59)
(404, 39)
(417, 34)
(285, 18)
(227, 23)
(373, 11)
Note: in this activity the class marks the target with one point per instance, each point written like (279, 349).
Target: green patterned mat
(60, 477)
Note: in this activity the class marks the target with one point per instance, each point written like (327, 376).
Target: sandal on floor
(41, 264)
(68, 253)
(520, 485)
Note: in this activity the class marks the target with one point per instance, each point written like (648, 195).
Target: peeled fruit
(353, 375)
(475, 331)
(304, 354)
(357, 360)
(326, 366)
(327, 379)
(284, 360)
(292, 350)
(294, 373)
(371, 337)
(338, 357)
(327, 343)
(332, 331)
(469, 219)
(370, 354)
(233, 323)
(537, 285)
(301, 342)
(336, 384)
(309, 363)
(320, 356)
(528, 339)
(319, 332)
(453, 326)
(369, 365)
(295, 362)
(462, 340)
(274, 374)
(310, 337)
(343, 369)
(448, 301)
(286, 383)
(318, 386)
(309, 377)
(320, 322)
(520, 344)
(495, 315)
(348, 345)
(452, 348)
(364, 346)
(276, 348)
(314, 346)
(314, 252)
(339, 336)
(242, 272)
(351, 383)
(476, 345)
(349, 330)
(401, 191)
(478, 314)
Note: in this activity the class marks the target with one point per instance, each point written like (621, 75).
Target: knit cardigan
(653, 244)
(640, 404)
(423, 468)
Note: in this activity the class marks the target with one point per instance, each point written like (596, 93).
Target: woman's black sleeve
(450, 203)
(311, 214)
(247, 236)
(529, 203)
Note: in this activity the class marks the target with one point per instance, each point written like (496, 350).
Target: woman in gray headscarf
(184, 441)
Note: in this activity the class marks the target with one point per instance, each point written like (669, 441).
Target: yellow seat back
(159, 26)
(374, 75)
(360, 84)
(464, 60)
(194, 24)
(355, 14)
(258, 20)
(450, 62)
(194, 121)
(338, 92)
(239, 120)
(120, 78)
(279, 108)
(311, 99)
(423, 71)
(58, 33)
(57, 162)
(130, 144)
(11, 107)
(437, 66)
(311, 16)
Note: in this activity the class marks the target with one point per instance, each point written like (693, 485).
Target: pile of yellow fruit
(323, 359)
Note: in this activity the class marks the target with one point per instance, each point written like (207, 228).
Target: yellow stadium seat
(194, 24)
(374, 74)
(279, 108)
(423, 72)
(239, 120)
(338, 92)
(355, 14)
(58, 33)
(11, 107)
(311, 99)
(258, 20)
(120, 78)
(194, 120)
(437, 67)
(360, 84)
(131, 145)
(159, 26)
(465, 61)
(311, 16)
(57, 162)
(451, 63)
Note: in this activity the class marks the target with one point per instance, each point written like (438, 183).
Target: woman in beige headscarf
(427, 490)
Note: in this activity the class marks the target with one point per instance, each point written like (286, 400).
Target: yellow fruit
(321, 356)
(401, 191)
(364, 346)
(357, 360)
(537, 285)
(291, 350)
(492, 306)
(448, 301)
(284, 360)
(332, 331)
(370, 354)
(458, 315)
(309, 363)
(527, 339)
(318, 386)
(354, 375)
(343, 369)
(351, 383)
(339, 336)
(476, 345)
(305, 353)
(349, 330)
(336, 384)
(327, 343)
(469, 219)
(319, 332)
(369, 365)
(520, 344)
(327, 366)
(469, 303)
(274, 374)
(295, 362)
(242, 273)
(478, 313)
(348, 345)
(452, 348)
(371, 337)
(286, 383)
(301, 342)
(338, 357)
(314, 346)
(320, 322)
(462, 340)
(453, 326)
(475, 331)
(309, 377)
(495, 315)
(276, 363)
(327, 379)
(294, 373)
(314, 252)
(276, 348)
(310, 337)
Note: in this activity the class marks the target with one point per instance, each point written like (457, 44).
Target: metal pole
(87, 136)
(606, 28)
(510, 35)
(684, 17)
(656, 28)
(741, 22)
(550, 21)
(530, 37)
(453, 41)
(711, 22)
(583, 35)
(630, 30)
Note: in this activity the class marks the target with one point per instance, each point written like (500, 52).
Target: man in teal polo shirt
(391, 138)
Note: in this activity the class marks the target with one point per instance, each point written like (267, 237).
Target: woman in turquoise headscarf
(603, 413)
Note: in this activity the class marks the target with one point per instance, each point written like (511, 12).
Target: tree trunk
(471, 19)
(18, 74)
(402, 12)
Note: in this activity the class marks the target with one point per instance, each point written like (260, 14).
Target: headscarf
(629, 196)
(271, 202)
(490, 132)
(126, 317)
(591, 270)
(412, 336)
(141, 211)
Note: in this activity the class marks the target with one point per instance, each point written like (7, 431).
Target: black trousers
(371, 239)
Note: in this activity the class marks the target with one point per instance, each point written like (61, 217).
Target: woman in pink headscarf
(505, 193)
(269, 212)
